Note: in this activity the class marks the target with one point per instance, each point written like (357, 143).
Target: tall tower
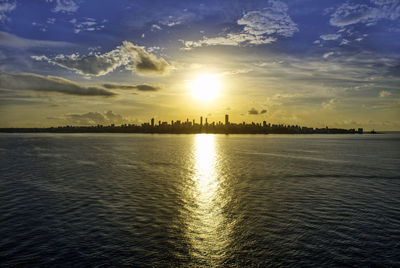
(226, 119)
(152, 122)
(201, 120)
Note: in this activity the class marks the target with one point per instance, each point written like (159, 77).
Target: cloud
(28, 81)
(88, 65)
(329, 37)
(128, 55)
(230, 40)
(254, 111)
(10, 40)
(268, 21)
(330, 104)
(64, 6)
(344, 42)
(87, 25)
(143, 61)
(394, 71)
(178, 18)
(6, 7)
(41, 26)
(384, 93)
(327, 55)
(95, 118)
(351, 13)
(140, 87)
(51, 20)
(155, 28)
(258, 27)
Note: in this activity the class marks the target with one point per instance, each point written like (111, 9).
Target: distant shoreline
(201, 130)
(191, 127)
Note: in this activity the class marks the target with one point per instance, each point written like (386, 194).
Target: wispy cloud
(178, 18)
(344, 77)
(228, 40)
(331, 104)
(10, 40)
(328, 54)
(87, 25)
(6, 7)
(128, 55)
(35, 82)
(268, 21)
(329, 37)
(351, 13)
(65, 6)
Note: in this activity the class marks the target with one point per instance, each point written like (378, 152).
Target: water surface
(199, 200)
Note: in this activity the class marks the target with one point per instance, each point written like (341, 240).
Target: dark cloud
(91, 65)
(28, 81)
(394, 71)
(119, 86)
(254, 111)
(145, 87)
(87, 65)
(128, 55)
(140, 87)
(95, 118)
(144, 62)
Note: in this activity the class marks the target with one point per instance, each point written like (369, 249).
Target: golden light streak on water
(207, 228)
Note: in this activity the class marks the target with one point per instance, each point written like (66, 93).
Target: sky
(306, 62)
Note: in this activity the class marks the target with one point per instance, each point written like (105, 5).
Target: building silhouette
(190, 127)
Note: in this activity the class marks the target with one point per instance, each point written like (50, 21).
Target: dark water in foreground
(199, 200)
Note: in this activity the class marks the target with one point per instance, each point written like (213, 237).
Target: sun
(205, 87)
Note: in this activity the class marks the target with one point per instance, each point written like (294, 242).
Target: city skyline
(191, 127)
(70, 62)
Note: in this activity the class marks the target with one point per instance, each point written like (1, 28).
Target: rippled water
(199, 200)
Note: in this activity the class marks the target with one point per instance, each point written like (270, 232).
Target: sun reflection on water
(207, 229)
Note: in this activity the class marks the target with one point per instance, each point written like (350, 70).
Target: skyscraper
(226, 119)
(152, 122)
(201, 120)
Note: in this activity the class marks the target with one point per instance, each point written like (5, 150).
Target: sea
(155, 200)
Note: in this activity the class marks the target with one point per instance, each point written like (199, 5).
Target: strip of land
(189, 128)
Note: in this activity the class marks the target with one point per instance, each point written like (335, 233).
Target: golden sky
(306, 63)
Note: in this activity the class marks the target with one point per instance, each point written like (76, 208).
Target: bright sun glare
(205, 87)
